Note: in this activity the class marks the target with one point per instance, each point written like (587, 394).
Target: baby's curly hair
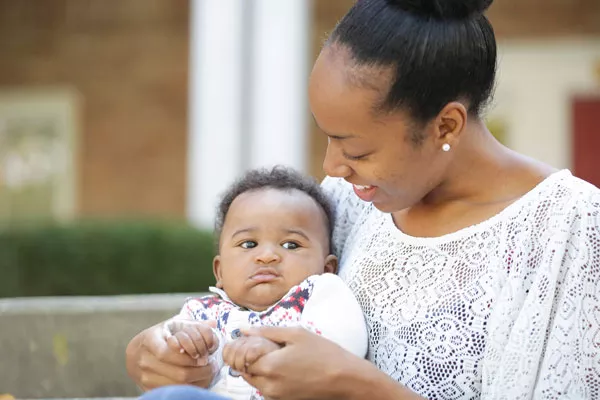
(280, 178)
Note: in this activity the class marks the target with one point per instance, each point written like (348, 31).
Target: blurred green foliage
(104, 258)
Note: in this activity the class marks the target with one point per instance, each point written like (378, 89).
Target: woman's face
(372, 151)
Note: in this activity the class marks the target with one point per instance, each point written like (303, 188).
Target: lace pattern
(506, 309)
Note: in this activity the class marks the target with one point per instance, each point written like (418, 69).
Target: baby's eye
(248, 244)
(290, 245)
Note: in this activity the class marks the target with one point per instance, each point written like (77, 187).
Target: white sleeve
(333, 312)
(544, 331)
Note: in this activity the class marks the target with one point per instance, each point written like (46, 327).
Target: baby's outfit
(322, 304)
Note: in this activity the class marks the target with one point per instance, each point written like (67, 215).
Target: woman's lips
(365, 193)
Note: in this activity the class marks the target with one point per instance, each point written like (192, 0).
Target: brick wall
(128, 60)
(545, 18)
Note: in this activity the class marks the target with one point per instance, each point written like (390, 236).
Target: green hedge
(104, 258)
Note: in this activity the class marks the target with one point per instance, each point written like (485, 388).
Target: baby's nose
(268, 255)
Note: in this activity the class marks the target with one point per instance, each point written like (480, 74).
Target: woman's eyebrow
(334, 136)
(340, 137)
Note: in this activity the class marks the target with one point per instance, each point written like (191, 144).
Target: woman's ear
(217, 271)
(451, 122)
(331, 264)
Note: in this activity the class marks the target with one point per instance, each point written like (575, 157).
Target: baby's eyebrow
(299, 233)
(245, 230)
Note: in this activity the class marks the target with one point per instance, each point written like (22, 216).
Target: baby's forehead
(275, 205)
(269, 196)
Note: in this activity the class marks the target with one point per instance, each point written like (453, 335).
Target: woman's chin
(386, 207)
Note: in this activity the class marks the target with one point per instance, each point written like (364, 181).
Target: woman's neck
(486, 172)
(486, 178)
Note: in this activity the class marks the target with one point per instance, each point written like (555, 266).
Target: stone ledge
(74, 347)
(76, 304)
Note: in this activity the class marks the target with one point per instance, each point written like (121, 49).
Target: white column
(215, 104)
(278, 73)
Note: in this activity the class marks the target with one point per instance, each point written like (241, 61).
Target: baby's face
(271, 241)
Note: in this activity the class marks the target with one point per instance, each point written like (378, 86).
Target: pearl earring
(446, 147)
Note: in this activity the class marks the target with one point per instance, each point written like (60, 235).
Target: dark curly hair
(280, 178)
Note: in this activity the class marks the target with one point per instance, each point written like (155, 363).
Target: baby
(274, 268)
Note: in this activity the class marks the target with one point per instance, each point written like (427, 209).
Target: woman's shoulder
(563, 190)
(561, 200)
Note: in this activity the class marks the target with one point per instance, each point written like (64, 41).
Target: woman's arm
(309, 366)
(361, 379)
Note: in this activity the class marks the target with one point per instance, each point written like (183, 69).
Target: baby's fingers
(236, 354)
(258, 347)
(174, 344)
(189, 345)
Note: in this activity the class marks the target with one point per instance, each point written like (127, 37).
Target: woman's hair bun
(443, 9)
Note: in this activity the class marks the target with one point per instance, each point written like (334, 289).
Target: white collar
(221, 293)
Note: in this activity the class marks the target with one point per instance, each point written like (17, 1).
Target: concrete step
(74, 347)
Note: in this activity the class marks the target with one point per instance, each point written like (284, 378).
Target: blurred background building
(119, 110)
(149, 108)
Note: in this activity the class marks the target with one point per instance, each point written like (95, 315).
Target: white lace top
(506, 309)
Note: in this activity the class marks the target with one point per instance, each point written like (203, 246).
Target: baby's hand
(246, 350)
(192, 337)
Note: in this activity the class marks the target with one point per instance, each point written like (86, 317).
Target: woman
(476, 267)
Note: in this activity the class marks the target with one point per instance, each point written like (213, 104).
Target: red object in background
(586, 138)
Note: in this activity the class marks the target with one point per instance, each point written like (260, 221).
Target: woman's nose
(334, 164)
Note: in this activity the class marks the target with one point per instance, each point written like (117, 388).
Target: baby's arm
(333, 312)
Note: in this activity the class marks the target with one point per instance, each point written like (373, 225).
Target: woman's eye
(355, 158)
(290, 245)
(248, 244)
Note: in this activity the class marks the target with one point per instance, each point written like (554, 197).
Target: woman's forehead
(343, 95)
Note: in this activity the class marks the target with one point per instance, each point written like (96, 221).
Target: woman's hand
(312, 367)
(307, 366)
(152, 362)
(191, 337)
(246, 350)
